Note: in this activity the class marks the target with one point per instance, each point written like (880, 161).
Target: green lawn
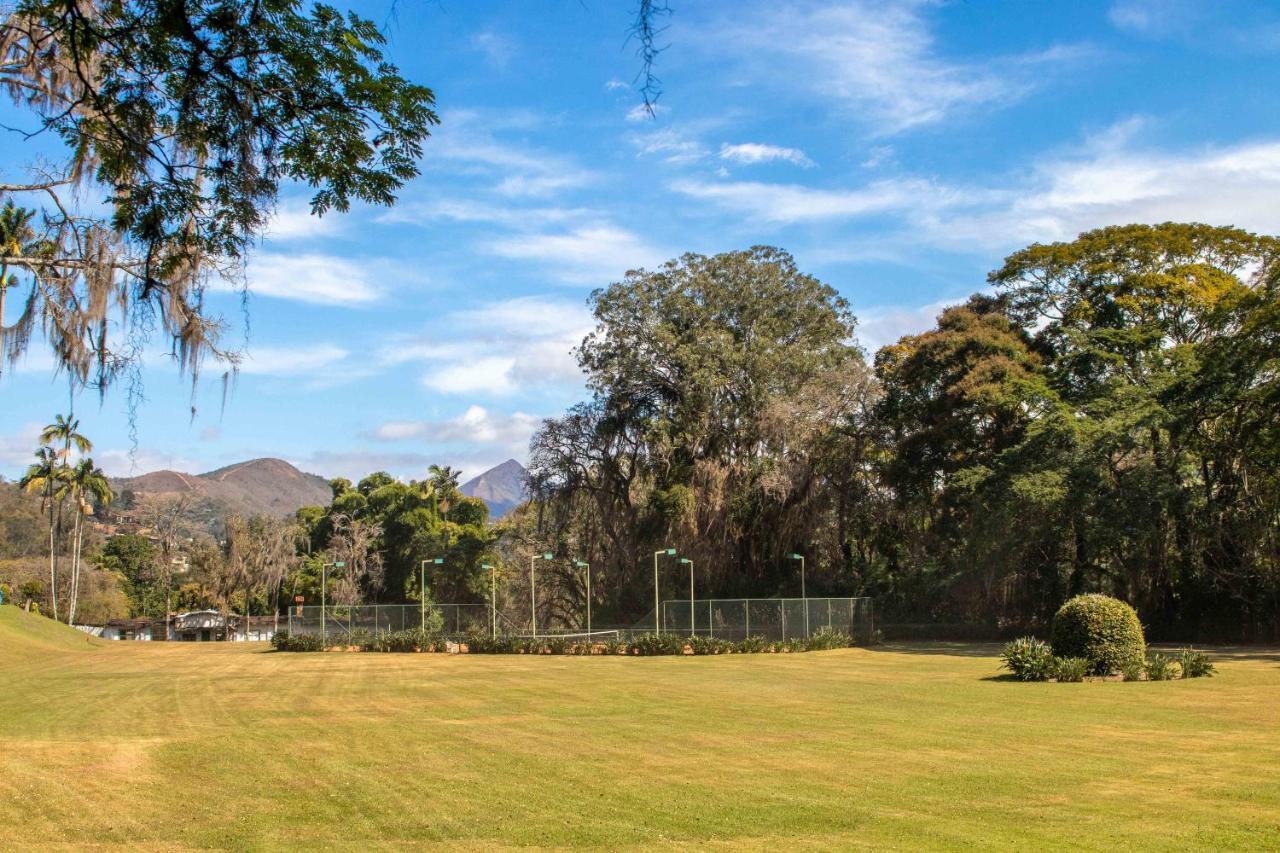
(160, 745)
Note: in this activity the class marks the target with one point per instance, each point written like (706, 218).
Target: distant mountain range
(257, 487)
(502, 488)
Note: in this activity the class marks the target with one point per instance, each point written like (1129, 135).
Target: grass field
(166, 745)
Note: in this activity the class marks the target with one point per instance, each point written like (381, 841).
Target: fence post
(782, 608)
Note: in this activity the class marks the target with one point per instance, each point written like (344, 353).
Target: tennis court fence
(726, 618)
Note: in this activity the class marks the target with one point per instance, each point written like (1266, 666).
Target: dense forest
(1102, 416)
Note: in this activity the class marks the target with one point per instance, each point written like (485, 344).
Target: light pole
(692, 630)
(657, 605)
(587, 566)
(493, 597)
(804, 599)
(533, 598)
(422, 589)
(324, 585)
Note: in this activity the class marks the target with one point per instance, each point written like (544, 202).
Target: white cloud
(1109, 180)
(671, 145)
(477, 425)
(1115, 183)
(467, 137)
(475, 440)
(591, 254)
(130, 463)
(878, 59)
(310, 277)
(291, 361)
(293, 220)
(17, 450)
(501, 348)
(497, 48)
(615, 84)
(785, 203)
(885, 324)
(643, 112)
(749, 153)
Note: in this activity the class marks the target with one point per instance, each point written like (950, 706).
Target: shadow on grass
(939, 647)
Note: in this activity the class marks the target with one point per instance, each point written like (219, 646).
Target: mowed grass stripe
(232, 746)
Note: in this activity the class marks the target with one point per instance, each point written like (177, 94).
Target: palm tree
(17, 238)
(88, 485)
(65, 430)
(43, 477)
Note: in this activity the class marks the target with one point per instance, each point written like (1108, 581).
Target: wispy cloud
(788, 203)
(1115, 184)
(293, 220)
(500, 348)
(750, 153)
(589, 254)
(468, 137)
(476, 425)
(291, 361)
(311, 277)
(498, 49)
(671, 145)
(878, 59)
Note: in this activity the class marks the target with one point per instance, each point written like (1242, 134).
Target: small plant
(1195, 664)
(614, 646)
(557, 645)
(1134, 671)
(825, 639)
(656, 644)
(710, 646)
(1029, 659)
(1070, 669)
(1160, 668)
(753, 645)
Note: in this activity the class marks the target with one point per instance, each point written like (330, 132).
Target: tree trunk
(53, 565)
(75, 567)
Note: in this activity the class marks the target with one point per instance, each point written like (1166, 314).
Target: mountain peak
(502, 487)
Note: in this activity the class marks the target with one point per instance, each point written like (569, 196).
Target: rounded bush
(1101, 629)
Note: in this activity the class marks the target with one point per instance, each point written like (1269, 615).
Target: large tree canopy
(1105, 421)
(716, 382)
(178, 121)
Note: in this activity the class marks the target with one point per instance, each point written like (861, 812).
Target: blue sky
(898, 150)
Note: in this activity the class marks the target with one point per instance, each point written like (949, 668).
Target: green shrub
(656, 644)
(825, 639)
(1159, 668)
(1029, 659)
(614, 646)
(1070, 669)
(1134, 670)
(710, 646)
(1195, 664)
(557, 645)
(283, 641)
(752, 645)
(6, 594)
(1103, 630)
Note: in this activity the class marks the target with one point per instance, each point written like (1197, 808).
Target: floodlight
(547, 556)
(671, 552)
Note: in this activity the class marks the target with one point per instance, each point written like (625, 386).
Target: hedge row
(644, 645)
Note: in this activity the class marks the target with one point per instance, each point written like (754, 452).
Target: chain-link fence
(775, 618)
(456, 620)
(727, 618)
